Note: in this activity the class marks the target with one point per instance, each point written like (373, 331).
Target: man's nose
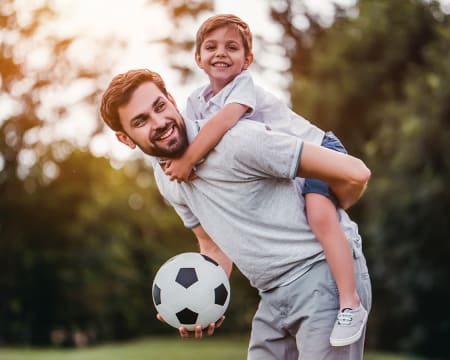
(158, 120)
(158, 123)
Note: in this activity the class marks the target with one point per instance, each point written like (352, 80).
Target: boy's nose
(220, 51)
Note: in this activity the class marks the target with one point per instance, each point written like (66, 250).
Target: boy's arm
(208, 137)
(346, 175)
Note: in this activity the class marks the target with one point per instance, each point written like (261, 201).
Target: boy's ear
(125, 139)
(248, 61)
(198, 60)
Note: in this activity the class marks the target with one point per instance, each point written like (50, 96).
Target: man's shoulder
(245, 126)
(249, 134)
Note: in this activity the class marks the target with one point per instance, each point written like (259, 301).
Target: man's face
(152, 122)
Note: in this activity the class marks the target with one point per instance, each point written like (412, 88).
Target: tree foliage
(79, 237)
(380, 81)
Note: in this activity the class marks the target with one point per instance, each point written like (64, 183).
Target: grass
(156, 348)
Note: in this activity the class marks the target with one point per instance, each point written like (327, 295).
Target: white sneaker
(349, 326)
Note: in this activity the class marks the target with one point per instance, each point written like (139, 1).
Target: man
(244, 209)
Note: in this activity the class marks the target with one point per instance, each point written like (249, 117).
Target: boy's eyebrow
(143, 114)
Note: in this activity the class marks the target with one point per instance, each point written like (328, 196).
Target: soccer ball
(191, 289)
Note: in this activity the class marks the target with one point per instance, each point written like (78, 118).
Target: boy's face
(152, 122)
(222, 56)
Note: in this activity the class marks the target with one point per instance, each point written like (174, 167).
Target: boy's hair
(120, 90)
(224, 20)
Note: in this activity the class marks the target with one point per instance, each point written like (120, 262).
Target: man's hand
(198, 332)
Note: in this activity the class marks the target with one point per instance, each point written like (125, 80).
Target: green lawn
(156, 349)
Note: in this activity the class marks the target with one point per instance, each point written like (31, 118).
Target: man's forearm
(209, 247)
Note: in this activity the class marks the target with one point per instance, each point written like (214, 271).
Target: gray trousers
(295, 321)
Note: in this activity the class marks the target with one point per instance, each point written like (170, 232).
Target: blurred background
(83, 228)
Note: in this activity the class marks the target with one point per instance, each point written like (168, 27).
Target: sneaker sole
(352, 339)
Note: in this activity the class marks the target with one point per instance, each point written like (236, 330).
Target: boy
(224, 52)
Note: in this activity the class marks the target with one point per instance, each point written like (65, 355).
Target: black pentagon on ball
(221, 294)
(186, 277)
(187, 317)
(156, 295)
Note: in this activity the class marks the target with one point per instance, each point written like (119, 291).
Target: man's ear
(125, 139)
(248, 61)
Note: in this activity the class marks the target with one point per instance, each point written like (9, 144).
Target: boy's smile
(222, 57)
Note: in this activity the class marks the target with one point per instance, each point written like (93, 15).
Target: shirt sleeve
(170, 192)
(242, 91)
(189, 219)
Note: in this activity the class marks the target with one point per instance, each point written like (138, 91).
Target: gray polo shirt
(246, 200)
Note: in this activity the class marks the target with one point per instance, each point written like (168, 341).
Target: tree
(379, 79)
(81, 236)
(71, 249)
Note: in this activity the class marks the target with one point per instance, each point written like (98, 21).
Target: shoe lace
(345, 317)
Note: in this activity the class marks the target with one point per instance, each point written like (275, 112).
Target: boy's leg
(295, 321)
(323, 219)
(321, 211)
(313, 335)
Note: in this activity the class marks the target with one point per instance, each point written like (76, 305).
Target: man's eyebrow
(143, 114)
(137, 117)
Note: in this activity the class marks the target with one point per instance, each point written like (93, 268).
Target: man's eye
(160, 106)
(140, 121)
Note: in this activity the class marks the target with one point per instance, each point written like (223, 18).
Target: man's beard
(174, 149)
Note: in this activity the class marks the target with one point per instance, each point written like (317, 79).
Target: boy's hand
(179, 170)
(198, 332)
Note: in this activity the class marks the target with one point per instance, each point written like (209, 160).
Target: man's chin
(170, 153)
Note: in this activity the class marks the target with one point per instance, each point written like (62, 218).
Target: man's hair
(120, 90)
(224, 20)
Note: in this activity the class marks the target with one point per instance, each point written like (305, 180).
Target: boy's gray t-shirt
(245, 199)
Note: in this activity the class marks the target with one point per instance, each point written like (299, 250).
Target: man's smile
(164, 134)
(167, 133)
